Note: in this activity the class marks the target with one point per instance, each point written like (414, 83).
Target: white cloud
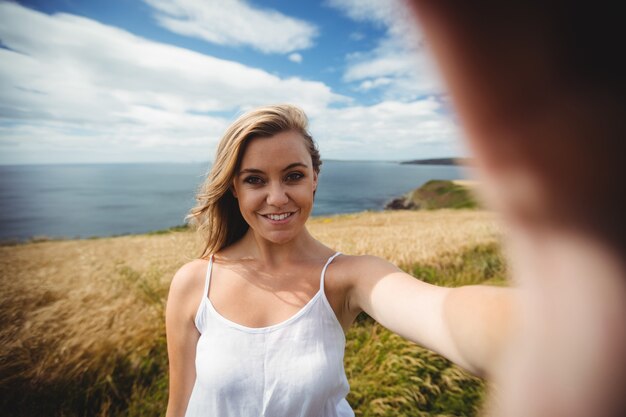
(399, 58)
(76, 81)
(233, 23)
(377, 11)
(370, 84)
(295, 57)
(76, 90)
(371, 67)
(390, 130)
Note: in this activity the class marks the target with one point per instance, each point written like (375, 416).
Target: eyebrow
(260, 171)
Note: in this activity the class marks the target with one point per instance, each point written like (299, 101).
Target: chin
(280, 238)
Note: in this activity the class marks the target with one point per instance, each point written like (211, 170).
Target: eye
(294, 176)
(253, 180)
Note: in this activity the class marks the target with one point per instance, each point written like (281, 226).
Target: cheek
(304, 196)
(248, 201)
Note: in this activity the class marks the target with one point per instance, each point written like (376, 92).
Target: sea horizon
(207, 162)
(87, 200)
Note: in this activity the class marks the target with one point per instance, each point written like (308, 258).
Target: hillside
(437, 194)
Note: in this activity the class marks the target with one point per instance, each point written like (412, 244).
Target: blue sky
(160, 80)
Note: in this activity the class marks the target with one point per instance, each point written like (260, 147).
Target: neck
(271, 253)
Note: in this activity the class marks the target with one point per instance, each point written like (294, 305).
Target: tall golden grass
(407, 237)
(82, 320)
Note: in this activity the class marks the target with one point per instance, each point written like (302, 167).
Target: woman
(255, 327)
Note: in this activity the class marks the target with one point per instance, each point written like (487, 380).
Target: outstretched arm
(469, 325)
(542, 103)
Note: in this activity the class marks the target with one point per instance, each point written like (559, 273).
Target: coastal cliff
(436, 194)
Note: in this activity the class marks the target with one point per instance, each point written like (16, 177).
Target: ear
(233, 191)
(314, 181)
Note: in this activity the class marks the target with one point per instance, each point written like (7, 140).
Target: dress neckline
(319, 294)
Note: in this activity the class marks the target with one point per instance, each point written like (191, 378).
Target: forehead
(282, 148)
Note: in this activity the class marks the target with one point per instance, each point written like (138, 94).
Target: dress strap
(207, 279)
(199, 318)
(324, 269)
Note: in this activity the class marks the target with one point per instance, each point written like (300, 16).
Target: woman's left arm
(471, 325)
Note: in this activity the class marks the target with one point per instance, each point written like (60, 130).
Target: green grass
(478, 265)
(390, 376)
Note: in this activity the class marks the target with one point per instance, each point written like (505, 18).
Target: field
(82, 320)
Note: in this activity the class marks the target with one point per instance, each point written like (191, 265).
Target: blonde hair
(216, 214)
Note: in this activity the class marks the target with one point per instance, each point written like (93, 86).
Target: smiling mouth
(278, 216)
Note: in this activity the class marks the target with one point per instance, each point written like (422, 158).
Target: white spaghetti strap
(199, 318)
(207, 279)
(324, 269)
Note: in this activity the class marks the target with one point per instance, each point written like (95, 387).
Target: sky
(99, 81)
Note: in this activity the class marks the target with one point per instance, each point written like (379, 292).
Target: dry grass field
(406, 237)
(82, 320)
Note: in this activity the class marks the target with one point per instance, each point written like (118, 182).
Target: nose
(277, 196)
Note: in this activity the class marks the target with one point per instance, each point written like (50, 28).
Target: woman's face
(275, 186)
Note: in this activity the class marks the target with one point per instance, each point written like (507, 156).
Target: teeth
(278, 216)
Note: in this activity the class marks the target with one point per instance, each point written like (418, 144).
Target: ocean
(92, 200)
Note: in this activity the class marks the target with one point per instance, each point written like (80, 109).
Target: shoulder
(190, 274)
(354, 268)
(354, 277)
(188, 282)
